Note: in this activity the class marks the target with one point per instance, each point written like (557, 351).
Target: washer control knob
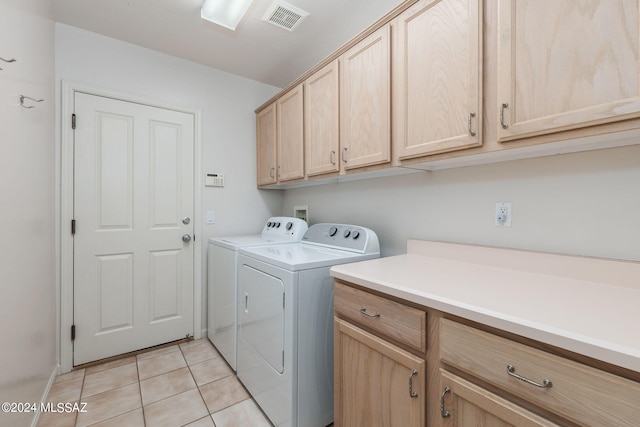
(333, 231)
(289, 225)
(268, 224)
(278, 225)
(347, 233)
(355, 235)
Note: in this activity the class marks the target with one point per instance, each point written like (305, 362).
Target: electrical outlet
(503, 214)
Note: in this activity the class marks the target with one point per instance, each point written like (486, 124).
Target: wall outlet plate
(503, 214)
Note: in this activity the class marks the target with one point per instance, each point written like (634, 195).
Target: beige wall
(582, 204)
(27, 260)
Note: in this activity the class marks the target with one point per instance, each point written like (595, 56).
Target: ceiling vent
(284, 15)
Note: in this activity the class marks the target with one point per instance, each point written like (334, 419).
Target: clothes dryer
(222, 272)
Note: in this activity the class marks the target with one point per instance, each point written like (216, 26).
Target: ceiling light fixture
(226, 13)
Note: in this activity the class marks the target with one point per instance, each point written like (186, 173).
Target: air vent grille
(284, 15)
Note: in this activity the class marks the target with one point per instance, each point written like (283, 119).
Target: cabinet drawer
(397, 321)
(577, 392)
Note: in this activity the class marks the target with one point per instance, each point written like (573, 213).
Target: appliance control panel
(343, 236)
(285, 226)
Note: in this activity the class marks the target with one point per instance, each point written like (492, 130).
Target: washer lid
(236, 242)
(300, 256)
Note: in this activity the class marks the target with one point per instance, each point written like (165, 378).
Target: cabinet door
(374, 381)
(321, 121)
(290, 135)
(437, 77)
(564, 64)
(465, 404)
(365, 106)
(266, 145)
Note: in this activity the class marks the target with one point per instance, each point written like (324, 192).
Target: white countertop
(585, 305)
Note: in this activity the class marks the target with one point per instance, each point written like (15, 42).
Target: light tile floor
(182, 385)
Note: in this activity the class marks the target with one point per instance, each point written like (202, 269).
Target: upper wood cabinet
(365, 105)
(565, 64)
(437, 77)
(266, 145)
(321, 121)
(290, 135)
(279, 139)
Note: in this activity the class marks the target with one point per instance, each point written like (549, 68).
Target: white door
(133, 201)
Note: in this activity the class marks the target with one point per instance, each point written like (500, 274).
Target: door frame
(65, 303)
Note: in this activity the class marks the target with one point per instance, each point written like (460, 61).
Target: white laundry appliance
(222, 274)
(285, 321)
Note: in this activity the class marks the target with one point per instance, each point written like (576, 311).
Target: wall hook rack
(7, 60)
(23, 97)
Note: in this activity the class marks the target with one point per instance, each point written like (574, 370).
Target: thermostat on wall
(214, 180)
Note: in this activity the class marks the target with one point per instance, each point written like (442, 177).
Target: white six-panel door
(133, 203)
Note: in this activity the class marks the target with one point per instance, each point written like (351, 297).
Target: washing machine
(285, 321)
(222, 273)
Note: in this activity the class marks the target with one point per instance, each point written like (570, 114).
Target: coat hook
(7, 60)
(23, 97)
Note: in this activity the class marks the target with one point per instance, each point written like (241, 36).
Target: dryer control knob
(289, 225)
(347, 233)
(355, 235)
(333, 231)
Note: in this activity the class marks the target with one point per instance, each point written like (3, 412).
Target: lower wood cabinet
(376, 383)
(400, 364)
(552, 385)
(463, 403)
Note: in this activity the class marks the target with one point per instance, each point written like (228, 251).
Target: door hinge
(73, 332)
(73, 226)
(73, 121)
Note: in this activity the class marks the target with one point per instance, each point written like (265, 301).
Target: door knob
(186, 237)
(186, 220)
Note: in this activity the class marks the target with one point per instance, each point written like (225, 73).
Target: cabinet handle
(344, 154)
(444, 413)
(363, 310)
(412, 394)
(471, 115)
(502, 107)
(511, 370)
(271, 171)
(332, 157)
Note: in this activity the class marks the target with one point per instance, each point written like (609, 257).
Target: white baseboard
(45, 395)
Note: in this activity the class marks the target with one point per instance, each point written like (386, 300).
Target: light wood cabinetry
(377, 383)
(279, 139)
(290, 139)
(437, 77)
(365, 102)
(266, 145)
(570, 390)
(462, 78)
(321, 121)
(471, 405)
(465, 375)
(566, 64)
